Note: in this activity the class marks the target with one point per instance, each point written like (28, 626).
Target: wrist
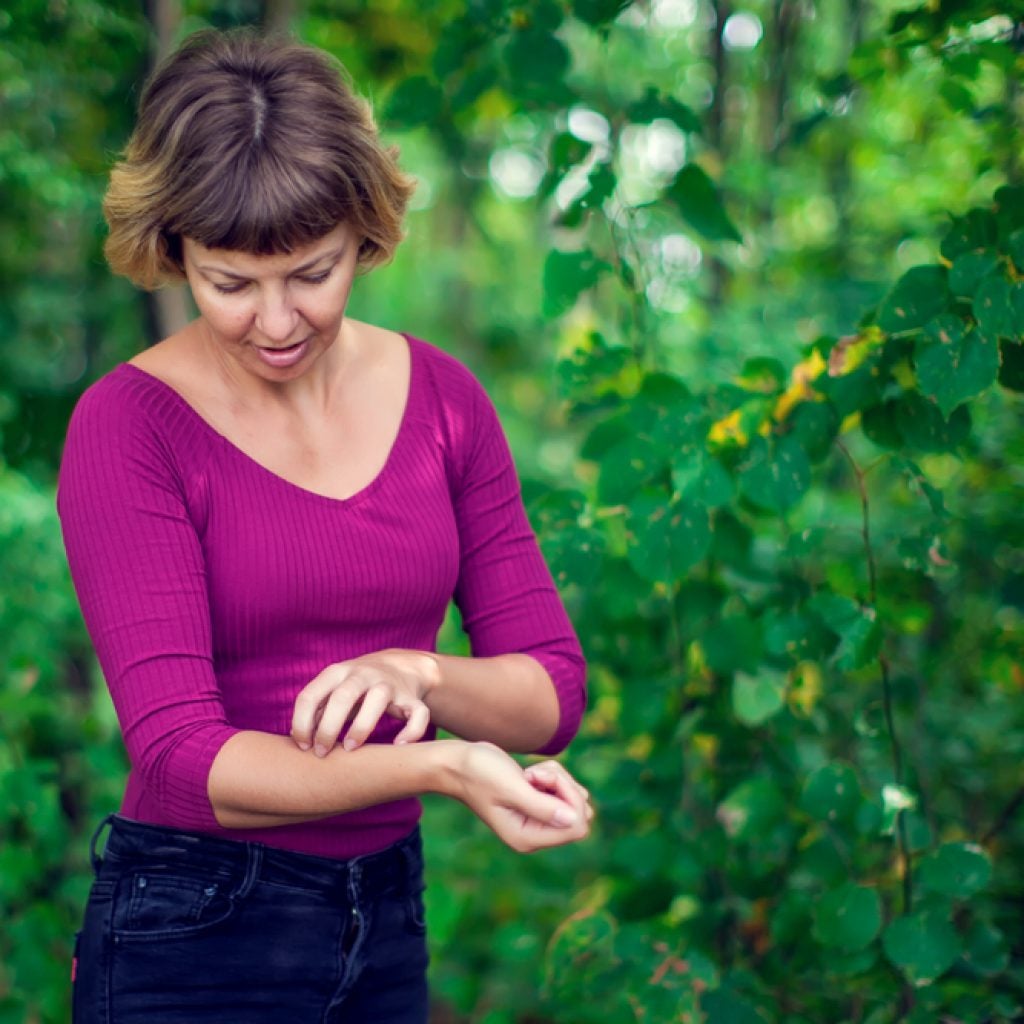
(446, 772)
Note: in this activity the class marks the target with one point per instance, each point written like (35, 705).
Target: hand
(530, 808)
(392, 682)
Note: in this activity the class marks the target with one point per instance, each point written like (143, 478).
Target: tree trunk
(781, 45)
(718, 134)
(278, 15)
(840, 174)
(167, 309)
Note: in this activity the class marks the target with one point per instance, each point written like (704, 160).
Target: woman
(265, 517)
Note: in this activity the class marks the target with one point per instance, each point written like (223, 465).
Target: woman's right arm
(138, 570)
(258, 779)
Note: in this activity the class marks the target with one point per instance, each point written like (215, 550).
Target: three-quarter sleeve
(137, 567)
(505, 591)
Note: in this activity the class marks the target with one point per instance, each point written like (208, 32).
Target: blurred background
(744, 279)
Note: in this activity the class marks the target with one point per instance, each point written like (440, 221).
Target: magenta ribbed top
(214, 590)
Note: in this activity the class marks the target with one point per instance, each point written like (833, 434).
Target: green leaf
(1017, 312)
(957, 95)
(598, 12)
(592, 369)
(701, 477)
(848, 918)
(920, 294)
(723, 1006)
(628, 466)
(923, 945)
(832, 793)
(757, 698)
(666, 538)
(880, 427)
(600, 185)
(733, 643)
(775, 477)
(1009, 209)
(1015, 247)
(857, 627)
(985, 950)
(1011, 365)
(752, 808)
(969, 270)
(958, 870)
(696, 198)
(537, 64)
(574, 555)
(654, 105)
(564, 152)
(954, 362)
(415, 102)
(993, 309)
(566, 276)
(924, 429)
(975, 230)
(763, 374)
(794, 636)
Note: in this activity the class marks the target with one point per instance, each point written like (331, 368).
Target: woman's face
(274, 316)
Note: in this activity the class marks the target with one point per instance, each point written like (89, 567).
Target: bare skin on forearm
(259, 780)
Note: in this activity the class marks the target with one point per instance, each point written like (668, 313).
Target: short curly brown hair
(251, 143)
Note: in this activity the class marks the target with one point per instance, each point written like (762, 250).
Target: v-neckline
(364, 491)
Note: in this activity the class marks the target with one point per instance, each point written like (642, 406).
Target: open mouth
(281, 357)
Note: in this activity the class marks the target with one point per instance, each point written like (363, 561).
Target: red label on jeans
(74, 968)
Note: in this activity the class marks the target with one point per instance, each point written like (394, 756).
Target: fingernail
(564, 816)
(302, 744)
(350, 744)
(319, 750)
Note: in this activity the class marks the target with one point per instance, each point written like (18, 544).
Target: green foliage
(782, 313)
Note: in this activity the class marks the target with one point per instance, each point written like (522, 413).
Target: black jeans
(183, 927)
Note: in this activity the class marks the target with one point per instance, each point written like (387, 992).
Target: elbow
(175, 769)
(568, 674)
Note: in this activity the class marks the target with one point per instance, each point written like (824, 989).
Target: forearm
(508, 700)
(259, 779)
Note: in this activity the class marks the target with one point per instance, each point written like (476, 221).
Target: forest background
(745, 281)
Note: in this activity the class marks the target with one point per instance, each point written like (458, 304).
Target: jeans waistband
(131, 840)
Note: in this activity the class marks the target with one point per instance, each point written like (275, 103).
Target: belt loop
(93, 855)
(412, 851)
(253, 864)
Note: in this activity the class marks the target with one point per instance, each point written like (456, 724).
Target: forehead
(254, 264)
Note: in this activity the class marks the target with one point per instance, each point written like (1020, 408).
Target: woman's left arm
(509, 700)
(524, 687)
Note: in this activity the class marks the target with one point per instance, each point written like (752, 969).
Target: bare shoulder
(384, 360)
(177, 360)
(379, 344)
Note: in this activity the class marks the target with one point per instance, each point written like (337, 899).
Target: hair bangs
(261, 206)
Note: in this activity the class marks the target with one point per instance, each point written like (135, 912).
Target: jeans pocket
(151, 905)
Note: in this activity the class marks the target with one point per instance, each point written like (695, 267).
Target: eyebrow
(332, 254)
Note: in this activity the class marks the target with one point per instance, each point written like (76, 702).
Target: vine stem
(1006, 815)
(902, 843)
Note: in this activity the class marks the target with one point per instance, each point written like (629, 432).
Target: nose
(276, 317)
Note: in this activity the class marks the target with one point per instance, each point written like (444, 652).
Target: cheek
(225, 319)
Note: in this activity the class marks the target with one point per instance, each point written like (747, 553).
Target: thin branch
(1006, 815)
(902, 844)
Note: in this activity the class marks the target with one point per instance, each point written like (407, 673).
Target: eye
(315, 278)
(229, 289)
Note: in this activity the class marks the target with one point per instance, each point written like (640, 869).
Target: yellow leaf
(728, 430)
(706, 745)
(800, 389)
(805, 688)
